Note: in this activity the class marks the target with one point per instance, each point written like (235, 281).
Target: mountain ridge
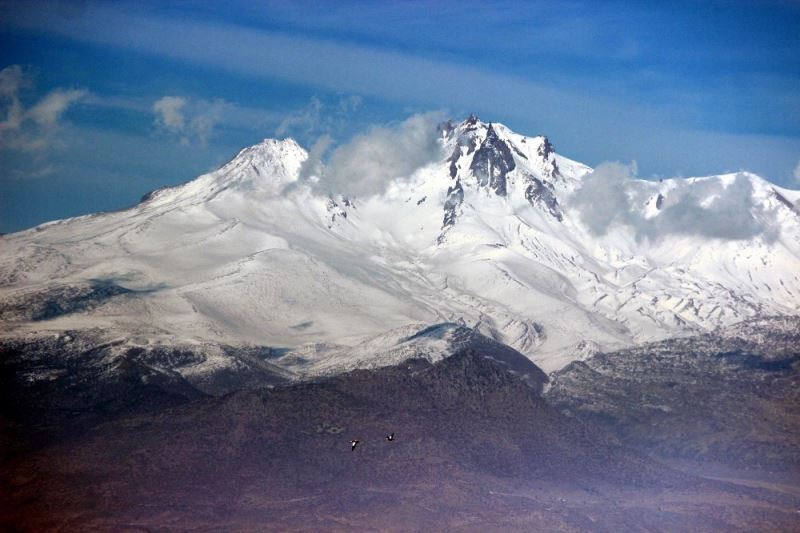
(492, 234)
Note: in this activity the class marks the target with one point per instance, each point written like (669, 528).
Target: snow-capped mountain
(500, 234)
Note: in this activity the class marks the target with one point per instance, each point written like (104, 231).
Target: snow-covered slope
(491, 236)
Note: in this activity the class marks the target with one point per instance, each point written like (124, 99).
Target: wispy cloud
(192, 121)
(319, 117)
(33, 129)
(12, 80)
(49, 110)
(329, 64)
(796, 174)
(169, 113)
(307, 119)
(581, 113)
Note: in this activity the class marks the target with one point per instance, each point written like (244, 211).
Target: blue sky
(102, 102)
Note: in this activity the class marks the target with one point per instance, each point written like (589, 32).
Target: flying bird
(353, 444)
(390, 437)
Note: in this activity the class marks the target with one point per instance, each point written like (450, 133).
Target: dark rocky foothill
(729, 397)
(475, 448)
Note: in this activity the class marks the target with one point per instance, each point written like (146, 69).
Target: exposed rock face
(471, 121)
(546, 149)
(455, 197)
(782, 199)
(453, 162)
(730, 396)
(492, 163)
(482, 158)
(541, 194)
(547, 153)
(337, 209)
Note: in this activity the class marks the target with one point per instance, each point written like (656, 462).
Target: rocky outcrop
(541, 194)
(492, 163)
(729, 397)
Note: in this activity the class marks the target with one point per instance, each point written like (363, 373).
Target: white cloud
(49, 110)
(319, 117)
(191, 120)
(169, 112)
(307, 119)
(730, 215)
(350, 104)
(203, 123)
(32, 129)
(313, 166)
(708, 207)
(366, 164)
(12, 80)
(602, 200)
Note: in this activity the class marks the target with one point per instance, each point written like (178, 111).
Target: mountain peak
(266, 167)
(492, 162)
(546, 149)
(493, 234)
(270, 149)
